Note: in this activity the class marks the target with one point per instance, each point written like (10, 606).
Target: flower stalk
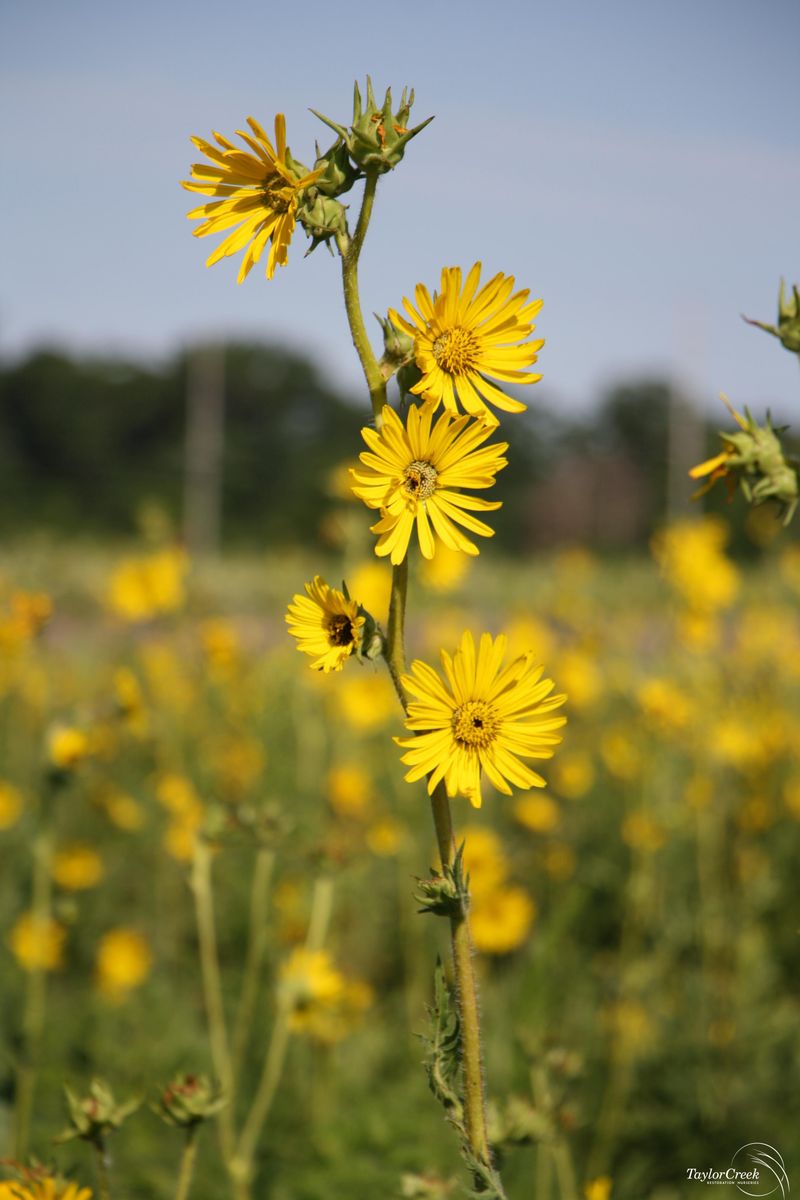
(350, 250)
(394, 654)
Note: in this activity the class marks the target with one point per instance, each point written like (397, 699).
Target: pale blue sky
(634, 163)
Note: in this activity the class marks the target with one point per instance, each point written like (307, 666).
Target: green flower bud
(754, 458)
(94, 1116)
(788, 327)
(321, 217)
(339, 174)
(188, 1100)
(445, 894)
(398, 347)
(377, 138)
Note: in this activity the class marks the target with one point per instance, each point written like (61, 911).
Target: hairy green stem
(187, 1163)
(35, 1002)
(394, 648)
(212, 988)
(256, 949)
(394, 654)
(350, 250)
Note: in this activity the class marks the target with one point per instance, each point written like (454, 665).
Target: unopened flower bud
(321, 217)
(788, 328)
(188, 1100)
(338, 173)
(94, 1116)
(377, 138)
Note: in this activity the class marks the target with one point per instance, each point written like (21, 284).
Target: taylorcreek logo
(756, 1170)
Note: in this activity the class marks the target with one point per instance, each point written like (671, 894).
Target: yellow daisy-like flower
(326, 624)
(42, 1187)
(482, 719)
(463, 335)
(414, 475)
(259, 195)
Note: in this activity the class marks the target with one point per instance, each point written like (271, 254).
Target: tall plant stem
(212, 989)
(256, 948)
(321, 908)
(187, 1163)
(102, 1164)
(35, 1003)
(350, 250)
(466, 993)
(394, 654)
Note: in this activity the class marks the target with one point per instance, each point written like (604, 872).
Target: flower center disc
(340, 630)
(475, 723)
(455, 350)
(275, 194)
(419, 480)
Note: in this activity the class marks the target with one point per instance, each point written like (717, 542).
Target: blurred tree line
(84, 442)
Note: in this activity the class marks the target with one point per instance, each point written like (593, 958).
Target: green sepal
(445, 894)
(787, 331)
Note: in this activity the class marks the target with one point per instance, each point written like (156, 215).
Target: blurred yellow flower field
(634, 920)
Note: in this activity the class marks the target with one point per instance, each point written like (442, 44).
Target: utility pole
(205, 442)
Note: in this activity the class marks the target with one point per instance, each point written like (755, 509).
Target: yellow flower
(641, 831)
(10, 804)
(573, 774)
(463, 335)
(67, 747)
(500, 920)
(130, 701)
(321, 1001)
(148, 586)
(77, 867)
(414, 475)
(664, 705)
(691, 556)
(42, 1187)
(539, 813)
(385, 837)
(366, 700)
(371, 581)
(258, 191)
(484, 860)
(483, 719)
(38, 945)
(349, 790)
(327, 625)
(598, 1189)
(124, 961)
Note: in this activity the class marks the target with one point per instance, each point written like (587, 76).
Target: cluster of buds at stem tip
(94, 1116)
(377, 138)
(189, 1100)
(788, 328)
(754, 458)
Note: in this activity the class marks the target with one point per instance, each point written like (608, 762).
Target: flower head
(259, 193)
(38, 944)
(463, 335)
(326, 623)
(39, 1185)
(414, 475)
(124, 961)
(481, 719)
